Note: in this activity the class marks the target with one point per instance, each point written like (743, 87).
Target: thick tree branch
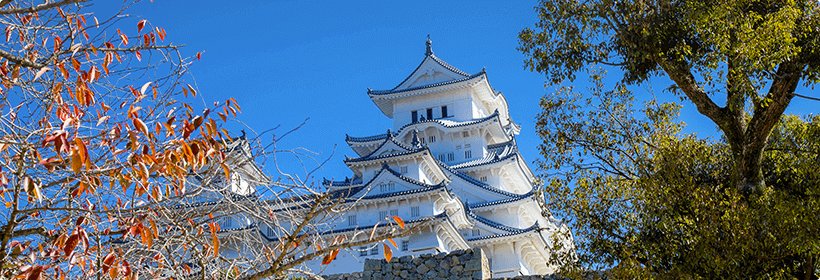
(20, 60)
(40, 7)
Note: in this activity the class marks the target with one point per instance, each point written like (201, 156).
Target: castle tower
(451, 155)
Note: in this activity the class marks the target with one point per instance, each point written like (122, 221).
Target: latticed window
(441, 157)
(374, 251)
(432, 139)
(403, 169)
(465, 134)
(382, 214)
(362, 251)
(405, 245)
(476, 232)
(414, 211)
(394, 212)
(468, 154)
(351, 220)
(450, 157)
(483, 179)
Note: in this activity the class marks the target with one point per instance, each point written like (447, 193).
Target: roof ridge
(390, 91)
(503, 201)
(360, 159)
(438, 121)
(475, 182)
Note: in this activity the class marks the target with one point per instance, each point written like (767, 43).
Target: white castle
(451, 156)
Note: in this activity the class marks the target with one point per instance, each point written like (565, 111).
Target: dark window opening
(444, 112)
(415, 116)
(430, 113)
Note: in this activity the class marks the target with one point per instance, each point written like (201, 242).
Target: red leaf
(139, 125)
(107, 261)
(399, 221)
(123, 37)
(70, 244)
(388, 254)
(140, 25)
(198, 56)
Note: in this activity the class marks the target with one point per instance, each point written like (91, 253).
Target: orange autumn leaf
(399, 221)
(388, 254)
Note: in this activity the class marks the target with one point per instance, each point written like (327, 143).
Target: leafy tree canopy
(647, 201)
(753, 53)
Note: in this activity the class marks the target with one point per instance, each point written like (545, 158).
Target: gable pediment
(390, 181)
(431, 71)
(389, 147)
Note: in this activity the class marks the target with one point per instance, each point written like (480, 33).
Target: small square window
(476, 232)
(465, 134)
(423, 140)
(394, 212)
(429, 113)
(444, 112)
(432, 139)
(382, 215)
(351, 220)
(450, 157)
(468, 154)
(374, 251)
(441, 157)
(414, 211)
(403, 169)
(405, 245)
(483, 179)
(362, 251)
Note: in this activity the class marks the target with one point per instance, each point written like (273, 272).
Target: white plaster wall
(458, 102)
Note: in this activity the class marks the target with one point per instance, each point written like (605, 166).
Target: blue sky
(285, 61)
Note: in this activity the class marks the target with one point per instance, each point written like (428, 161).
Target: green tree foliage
(752, 54)
(646, 201)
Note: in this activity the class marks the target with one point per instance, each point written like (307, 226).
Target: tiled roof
(413, 191)
(231, 197)
(475, 182)
(349, 138)
(392, 91)
(342, 183)
(495, 153)
(370, 227)
(413, 151)
(503, 201)
(443, 122)
(489, 222)
(521, 231)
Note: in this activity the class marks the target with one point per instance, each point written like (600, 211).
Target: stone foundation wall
(463, 264)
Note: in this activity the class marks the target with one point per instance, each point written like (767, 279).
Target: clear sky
(285, 61)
